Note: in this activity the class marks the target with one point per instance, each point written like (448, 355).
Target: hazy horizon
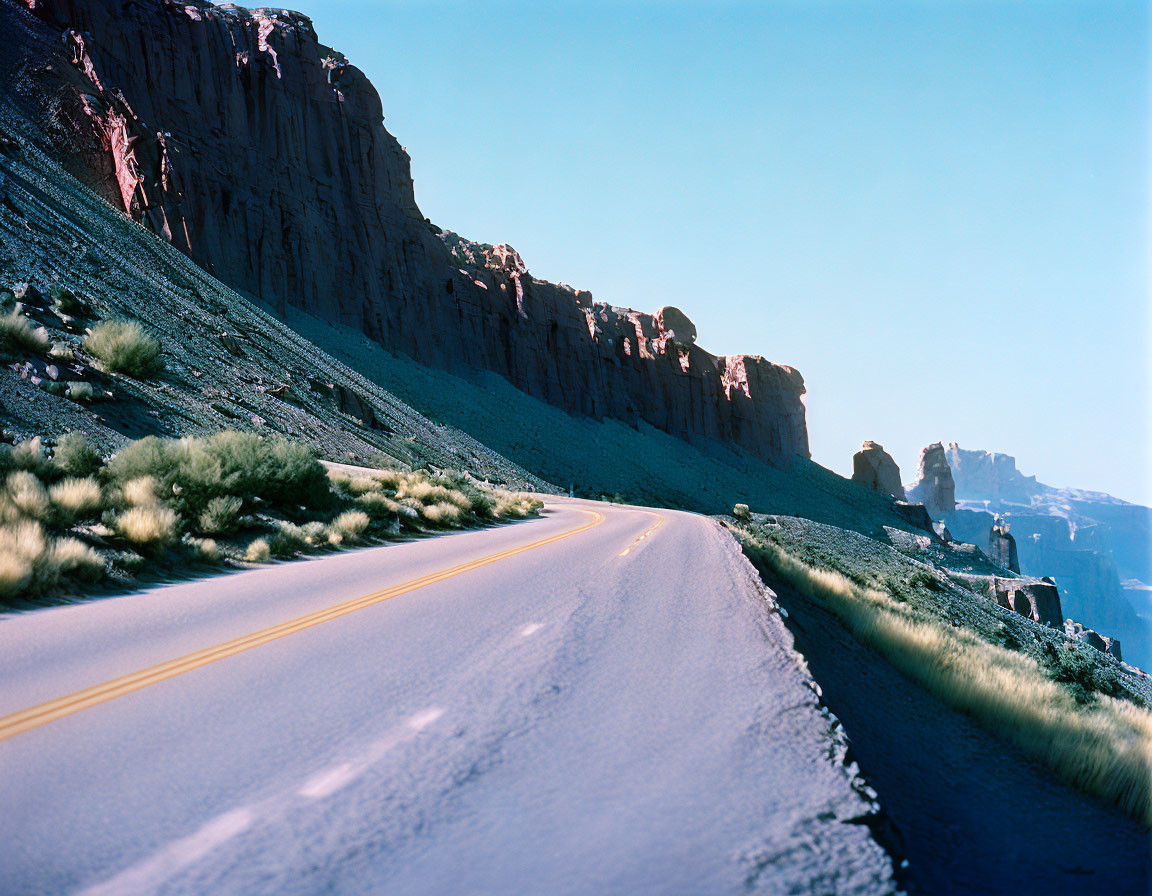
(937, 212)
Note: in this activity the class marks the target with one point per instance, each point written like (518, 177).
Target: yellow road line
(43, 713)
(659, 522)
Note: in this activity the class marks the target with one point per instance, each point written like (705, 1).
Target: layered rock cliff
(261, 153)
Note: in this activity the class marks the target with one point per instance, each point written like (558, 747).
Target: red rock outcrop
(874, 468)
(262, 154)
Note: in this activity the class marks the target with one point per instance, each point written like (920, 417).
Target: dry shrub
(24, 496)
(444, 513)
(18, 333)
(74, 558)
(1104, 747)
(75, 499)
(15, 572)
(513, 505)
(124, 346)
(26, 565)
(28, 455)
(154, 525)
(140, 492)
(204, 550)
(349, 527)
(381, 507)
(258, 551)
(429, 493)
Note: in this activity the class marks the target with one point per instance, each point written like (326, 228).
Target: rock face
(935, 488)
(874, 468)
(1002, 548)
(261, 154)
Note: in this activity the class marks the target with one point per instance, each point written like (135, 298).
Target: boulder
(935, 488)
(1103, 643)
(874, 468)
(674, 323)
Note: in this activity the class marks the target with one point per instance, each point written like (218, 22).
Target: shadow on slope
(593, 458)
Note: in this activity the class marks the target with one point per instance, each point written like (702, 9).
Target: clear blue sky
(937, 211)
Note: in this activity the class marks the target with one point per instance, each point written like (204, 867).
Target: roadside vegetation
(1069, 713)
(71, 519)
(124, 346)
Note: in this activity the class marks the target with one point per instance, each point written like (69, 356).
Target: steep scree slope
(260, 153)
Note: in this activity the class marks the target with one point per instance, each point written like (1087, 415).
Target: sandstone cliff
(261, 153)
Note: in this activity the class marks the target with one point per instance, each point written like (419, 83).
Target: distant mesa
(874, 468)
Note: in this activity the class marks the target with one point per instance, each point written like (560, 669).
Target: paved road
(597, 701)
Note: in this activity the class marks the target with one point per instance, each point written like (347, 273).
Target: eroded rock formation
(261, 153)
(935, 488)
(874, 468)
(1038, 600)
(1002, 548)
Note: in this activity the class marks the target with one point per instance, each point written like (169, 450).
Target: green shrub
(74, 456)
(288, 540)
(221, 516)
(18, 333)
(124, 346)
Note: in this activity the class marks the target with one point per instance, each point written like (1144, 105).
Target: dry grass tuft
(151, 525)
(73, 557)
(1104, 747)
(75, 499)
(141, 491)
(443, 514)
(124, 346)
(18, 333)
(258, 551)
(349, 527)
(24, 496)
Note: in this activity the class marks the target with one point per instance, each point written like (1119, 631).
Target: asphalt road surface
(596, 701)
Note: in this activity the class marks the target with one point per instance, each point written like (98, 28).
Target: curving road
(597, 701)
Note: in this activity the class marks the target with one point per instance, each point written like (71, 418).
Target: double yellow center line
(43, 713)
